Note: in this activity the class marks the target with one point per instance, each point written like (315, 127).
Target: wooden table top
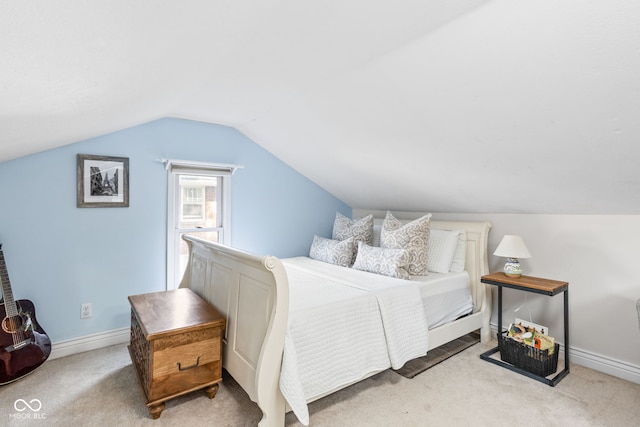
(549, 286)
(165, 313)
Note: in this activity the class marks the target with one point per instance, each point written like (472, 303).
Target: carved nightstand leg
(156, 410)
(212, 390)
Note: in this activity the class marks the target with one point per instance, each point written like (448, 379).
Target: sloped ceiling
(448, 106)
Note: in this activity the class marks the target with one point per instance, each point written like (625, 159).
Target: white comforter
(344, 325)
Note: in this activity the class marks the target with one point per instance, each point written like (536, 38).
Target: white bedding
(345, 324)
(328, 322)
(445, 297)
(398, 300)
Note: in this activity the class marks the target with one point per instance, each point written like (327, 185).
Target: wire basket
(526, 357)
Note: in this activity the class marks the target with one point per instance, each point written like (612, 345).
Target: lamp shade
(512, 246)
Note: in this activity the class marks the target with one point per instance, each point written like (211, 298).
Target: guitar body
(24, 345)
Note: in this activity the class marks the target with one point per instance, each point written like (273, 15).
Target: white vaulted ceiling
(450, 106)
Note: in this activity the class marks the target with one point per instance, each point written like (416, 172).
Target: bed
(283, 349)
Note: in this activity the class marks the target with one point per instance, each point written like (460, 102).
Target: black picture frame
(102, 181)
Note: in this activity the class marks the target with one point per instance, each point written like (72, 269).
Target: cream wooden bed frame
(253, 292)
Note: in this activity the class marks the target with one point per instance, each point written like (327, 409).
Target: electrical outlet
(85, 311)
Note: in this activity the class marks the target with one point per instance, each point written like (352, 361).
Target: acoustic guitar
(23, 343)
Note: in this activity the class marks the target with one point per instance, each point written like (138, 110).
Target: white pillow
(388, 262)
(441, 246)
(412, 236)
(460, 256)
(338, 252)
(377, 229)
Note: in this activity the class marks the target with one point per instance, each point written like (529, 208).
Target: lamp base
(512, 268)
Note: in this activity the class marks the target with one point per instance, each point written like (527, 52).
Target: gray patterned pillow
(360, 229)
(413, 237)
(345, 227)
(389, 262)
(338, 252)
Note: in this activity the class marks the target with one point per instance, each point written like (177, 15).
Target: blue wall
(60, 256)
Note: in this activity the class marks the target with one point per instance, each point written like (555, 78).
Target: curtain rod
(192, 163)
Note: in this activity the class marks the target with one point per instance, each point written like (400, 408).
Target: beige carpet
(100, 388)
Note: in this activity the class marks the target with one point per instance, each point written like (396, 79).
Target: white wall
(598, 256)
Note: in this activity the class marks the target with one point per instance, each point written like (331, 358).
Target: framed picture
(103, 182)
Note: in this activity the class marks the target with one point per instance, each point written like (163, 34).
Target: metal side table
(539, 286)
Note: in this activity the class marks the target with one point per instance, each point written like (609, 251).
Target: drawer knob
(180, 368)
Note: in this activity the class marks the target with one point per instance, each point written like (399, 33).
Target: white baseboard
(89, 342)
(605, 364)
(597, 362)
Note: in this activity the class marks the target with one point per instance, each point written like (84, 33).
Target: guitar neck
(7, 295)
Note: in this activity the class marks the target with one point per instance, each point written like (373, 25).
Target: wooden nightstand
(539, 286)
(176, 345)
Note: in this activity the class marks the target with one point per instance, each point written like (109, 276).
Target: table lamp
(512, 247)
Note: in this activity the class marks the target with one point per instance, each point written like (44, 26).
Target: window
(199, 204)
(193, 205)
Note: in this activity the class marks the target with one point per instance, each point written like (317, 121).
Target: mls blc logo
(21, 405)
(28, 410)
